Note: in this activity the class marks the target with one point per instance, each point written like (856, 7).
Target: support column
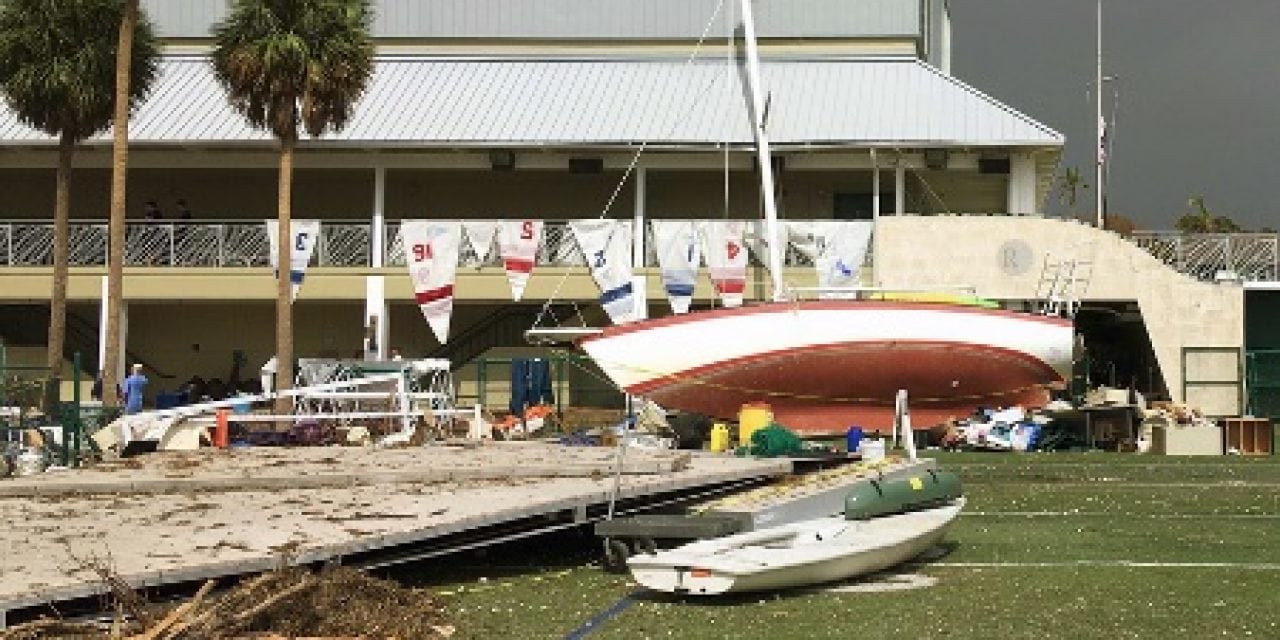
(639, 283)
(875, 216)
(377, 328)
(899, 187)
(875, 186)
(1022, 184)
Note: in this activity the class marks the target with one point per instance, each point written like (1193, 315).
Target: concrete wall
(1002, 258)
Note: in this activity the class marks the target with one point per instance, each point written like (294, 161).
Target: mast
(762, 150)
(1102, 129)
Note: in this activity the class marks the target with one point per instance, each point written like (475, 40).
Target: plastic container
(753, 416)
(872, 450)
(853, 438)
(719, 438)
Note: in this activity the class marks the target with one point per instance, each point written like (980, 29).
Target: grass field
(1062, 545)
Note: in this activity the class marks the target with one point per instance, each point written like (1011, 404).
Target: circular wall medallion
(1015, 257)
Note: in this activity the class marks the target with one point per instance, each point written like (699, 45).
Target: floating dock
(181, 517)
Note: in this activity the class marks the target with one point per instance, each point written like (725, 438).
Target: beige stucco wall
(1002, 258)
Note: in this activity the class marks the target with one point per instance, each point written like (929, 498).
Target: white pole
(762, 151)
(1097, 94)
(102, 330)
(375, 306)
(899, 187)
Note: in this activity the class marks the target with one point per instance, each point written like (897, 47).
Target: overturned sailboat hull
(826, 365)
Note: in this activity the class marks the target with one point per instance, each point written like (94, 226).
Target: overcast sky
(1199, 94)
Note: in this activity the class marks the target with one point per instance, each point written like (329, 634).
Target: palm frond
(57, 63)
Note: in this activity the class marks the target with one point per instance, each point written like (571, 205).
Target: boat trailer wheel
(645, 546)
(616, 553)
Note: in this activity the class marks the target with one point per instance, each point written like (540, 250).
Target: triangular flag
(606, 244)
(518, 242)
(480, 236)
(305, 233)
(842, 247)
(727, 259)
(679, 256)
(431, 252)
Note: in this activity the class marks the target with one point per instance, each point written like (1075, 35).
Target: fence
(245, 244)
(1248, 256)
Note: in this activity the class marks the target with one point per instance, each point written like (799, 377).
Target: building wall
(210, 193)
(347, 194)
(567, 19)
(1002, 258)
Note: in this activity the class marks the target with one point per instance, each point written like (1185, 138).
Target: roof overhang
(416, 102)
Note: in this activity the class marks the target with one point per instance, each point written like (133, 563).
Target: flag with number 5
(518, 242)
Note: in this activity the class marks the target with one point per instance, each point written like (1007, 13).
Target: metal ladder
(1062, 282)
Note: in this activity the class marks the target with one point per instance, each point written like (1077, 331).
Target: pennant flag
(837, 248)
(679, 255)
(606, 244)
(727, 259)
(480, 236)
(431, 252)
(304, 234)
(518, 242)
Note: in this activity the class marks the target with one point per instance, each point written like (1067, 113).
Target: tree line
(73, 68)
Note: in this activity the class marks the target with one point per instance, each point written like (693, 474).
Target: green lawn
(1040, 552)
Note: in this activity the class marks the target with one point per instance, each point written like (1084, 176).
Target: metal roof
(587, 103)
(593, 19)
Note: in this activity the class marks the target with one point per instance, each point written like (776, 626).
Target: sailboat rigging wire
(635, 158)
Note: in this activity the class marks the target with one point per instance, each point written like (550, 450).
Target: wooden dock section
(175, 518)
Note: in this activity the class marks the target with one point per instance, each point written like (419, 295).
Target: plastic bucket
(752, 417)
(872, 450)
(719, 438)
(853, 438)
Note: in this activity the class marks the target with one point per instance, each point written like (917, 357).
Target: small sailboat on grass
(884, 524)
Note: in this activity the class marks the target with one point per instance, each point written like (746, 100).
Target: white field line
(1099, 514)
(1256, 566)
(1117, 482)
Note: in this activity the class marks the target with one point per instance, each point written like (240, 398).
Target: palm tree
(1069, 186)
(285, 63)
(1201, 220)
(56, 74)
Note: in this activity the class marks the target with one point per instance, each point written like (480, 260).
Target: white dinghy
(794, 555)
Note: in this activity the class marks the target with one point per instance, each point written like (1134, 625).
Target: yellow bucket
(719, 438)
(754, 416)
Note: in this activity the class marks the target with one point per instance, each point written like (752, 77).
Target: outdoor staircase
(503, 329)
(29, 325)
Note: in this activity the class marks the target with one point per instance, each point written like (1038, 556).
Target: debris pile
(287, 603)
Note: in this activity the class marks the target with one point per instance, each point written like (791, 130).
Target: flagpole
(1097, 95)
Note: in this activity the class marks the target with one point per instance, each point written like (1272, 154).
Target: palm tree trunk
(119, 167)
(284, 283)
(61, 233)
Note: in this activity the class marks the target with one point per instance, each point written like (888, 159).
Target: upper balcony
(1249, 257)
(211, 244)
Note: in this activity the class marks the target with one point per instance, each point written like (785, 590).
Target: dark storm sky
(1199, 94)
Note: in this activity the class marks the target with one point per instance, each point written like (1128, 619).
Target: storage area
(1249, 436)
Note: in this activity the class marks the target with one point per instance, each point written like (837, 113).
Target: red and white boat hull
(826, 365)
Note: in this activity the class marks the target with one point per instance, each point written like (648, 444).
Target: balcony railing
(1210, 256)
(235, 244)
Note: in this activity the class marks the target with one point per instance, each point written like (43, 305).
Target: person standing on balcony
(184, 212)
(152, 211)
(134, 387)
